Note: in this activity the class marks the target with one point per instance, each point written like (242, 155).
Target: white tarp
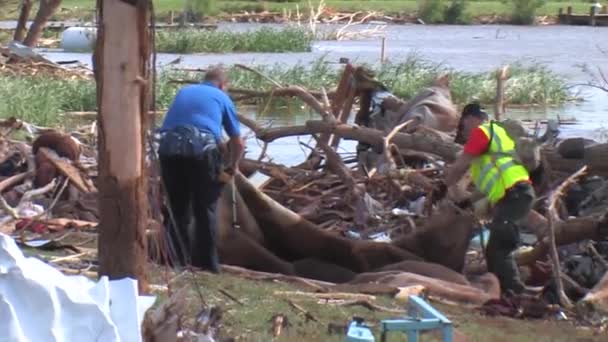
(39, 303)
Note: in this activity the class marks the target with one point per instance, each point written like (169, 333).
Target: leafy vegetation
(40, 100)
(431, 11)
(523, 12)
(289, 39)
(84, 9)
(456, 12)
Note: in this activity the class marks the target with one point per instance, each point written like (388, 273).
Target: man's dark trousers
(190, 164)
(509, 214)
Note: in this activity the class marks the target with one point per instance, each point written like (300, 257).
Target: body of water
(474, 48)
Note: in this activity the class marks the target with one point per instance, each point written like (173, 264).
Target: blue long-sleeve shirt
(204, 106)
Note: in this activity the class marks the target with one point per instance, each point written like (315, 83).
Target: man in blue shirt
(191, 163)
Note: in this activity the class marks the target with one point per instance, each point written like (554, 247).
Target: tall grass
(40, 100)
(289, 39)
(431, 11)
(523, 12)
(442, 11)
(456, 12)
(197, 10)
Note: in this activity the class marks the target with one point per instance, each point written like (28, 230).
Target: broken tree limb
(416, 141)
(369, 305)
(387, 142)
(336, 165)
(257, 275)
(259, 73)
(346, 106)
(553, 218)
(328, 296)
(14, 180)
(419, 141)
(597, 298)
(81, 182)
(566, 232)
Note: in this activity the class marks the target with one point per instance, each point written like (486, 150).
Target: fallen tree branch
(13, 180)
(303, 311)
(387, 142)
(553, 218)
(369, 305)
(259, 73)
(329, 295)
(256, 275)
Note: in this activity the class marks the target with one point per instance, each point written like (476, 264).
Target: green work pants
(509, 214)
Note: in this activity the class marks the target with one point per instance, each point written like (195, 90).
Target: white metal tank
(78, 39)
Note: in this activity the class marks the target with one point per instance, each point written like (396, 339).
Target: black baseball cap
(476, 110)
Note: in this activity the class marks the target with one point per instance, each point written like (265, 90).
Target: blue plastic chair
(422, 316)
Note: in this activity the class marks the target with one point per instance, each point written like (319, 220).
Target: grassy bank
(82, 9)
(261, 40)
(252, 321)
(40, 99)
(287, 39)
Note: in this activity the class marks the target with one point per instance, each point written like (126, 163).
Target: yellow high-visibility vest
(497, 170)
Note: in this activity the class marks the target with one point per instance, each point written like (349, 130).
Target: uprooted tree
(122, 72)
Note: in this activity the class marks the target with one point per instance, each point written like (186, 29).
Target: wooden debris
(368, 305)
(553, 218)
(330, 295)
(229, 295)
(71, 172)
(307, 314)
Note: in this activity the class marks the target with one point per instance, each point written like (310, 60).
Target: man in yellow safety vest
(489, 153)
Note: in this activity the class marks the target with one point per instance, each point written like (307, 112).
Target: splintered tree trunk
(122, 57)
(45, 12)
(21, 30)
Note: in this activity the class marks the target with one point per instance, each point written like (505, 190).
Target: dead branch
(416, 141)
(303, 311)
(387, 142)
(597, 255)
(13, 213)
(232, 297)
(313, 284)
(369, 305)
(14, 180)
(553, 218)
(259, 73)
(330, 295)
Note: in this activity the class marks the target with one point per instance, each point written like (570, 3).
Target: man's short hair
(216, 74)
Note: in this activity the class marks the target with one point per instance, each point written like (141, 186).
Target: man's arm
(457, 170)
(476, 145)
(236, 145)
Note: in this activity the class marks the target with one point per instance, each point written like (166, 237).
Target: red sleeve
(477, 143)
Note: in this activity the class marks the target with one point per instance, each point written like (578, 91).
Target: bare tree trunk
(21, 30)
(122, 58)
(45, 12)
